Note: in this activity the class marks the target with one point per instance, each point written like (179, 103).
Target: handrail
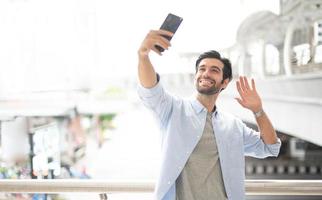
(253, 187)
(284, 187)
(51, 186)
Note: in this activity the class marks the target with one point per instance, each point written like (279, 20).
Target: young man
(203, 148)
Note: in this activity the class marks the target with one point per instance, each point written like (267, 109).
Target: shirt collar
(198, 107)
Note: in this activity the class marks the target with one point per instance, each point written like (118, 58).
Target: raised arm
(250, 99)
(147, 74)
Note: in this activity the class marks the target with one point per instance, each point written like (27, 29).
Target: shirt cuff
(275, 148)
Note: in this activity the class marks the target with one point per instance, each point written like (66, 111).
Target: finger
(161, 44)
(240, 91)
(165, 40)
(246, 83)
(165, 32)
(158, 33)
(253, 84)
(242, 84)
(160, 41)
(156, 51)
(156, 38)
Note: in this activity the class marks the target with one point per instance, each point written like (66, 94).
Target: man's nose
(206, 73)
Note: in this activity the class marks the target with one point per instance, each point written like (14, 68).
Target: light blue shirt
(182, 123)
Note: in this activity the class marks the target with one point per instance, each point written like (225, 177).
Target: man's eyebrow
(214, 66)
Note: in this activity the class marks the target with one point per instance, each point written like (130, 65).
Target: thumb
(239, 101)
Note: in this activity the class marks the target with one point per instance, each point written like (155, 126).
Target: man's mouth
(206, 82)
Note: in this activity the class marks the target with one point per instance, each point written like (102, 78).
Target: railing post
(103, 196)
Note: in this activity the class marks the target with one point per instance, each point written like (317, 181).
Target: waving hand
(249, 97)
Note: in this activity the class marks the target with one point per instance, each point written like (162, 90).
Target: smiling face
(209, 76)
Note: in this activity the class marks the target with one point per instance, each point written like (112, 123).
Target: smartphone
(171, 23)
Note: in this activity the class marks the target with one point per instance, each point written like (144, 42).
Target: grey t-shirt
(201, 178)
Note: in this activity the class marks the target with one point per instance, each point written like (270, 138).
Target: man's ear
(225, 83)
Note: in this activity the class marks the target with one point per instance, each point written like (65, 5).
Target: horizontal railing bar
(284, 187)
(253, 187)
(73, 185)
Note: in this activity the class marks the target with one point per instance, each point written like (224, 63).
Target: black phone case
(171, 23)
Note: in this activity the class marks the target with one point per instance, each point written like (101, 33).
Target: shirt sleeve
(157, 100)
(254, 146)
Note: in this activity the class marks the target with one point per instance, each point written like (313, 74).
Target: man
(203, 148)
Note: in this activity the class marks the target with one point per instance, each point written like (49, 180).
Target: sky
(74, 44)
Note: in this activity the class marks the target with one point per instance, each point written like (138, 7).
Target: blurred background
(68, 79)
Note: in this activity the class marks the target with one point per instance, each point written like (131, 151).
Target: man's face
(209, 76)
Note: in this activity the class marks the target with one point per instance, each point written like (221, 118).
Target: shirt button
(179, 167)
(198, 136)
(169, 182)
(187, 152)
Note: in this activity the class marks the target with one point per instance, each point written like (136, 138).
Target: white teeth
(206, 81)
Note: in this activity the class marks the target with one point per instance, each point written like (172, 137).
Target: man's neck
(208, 101)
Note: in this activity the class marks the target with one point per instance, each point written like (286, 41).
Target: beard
(214, 89)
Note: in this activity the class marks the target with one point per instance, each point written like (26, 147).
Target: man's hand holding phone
(154, 39)
(159, 40)
(171, 23)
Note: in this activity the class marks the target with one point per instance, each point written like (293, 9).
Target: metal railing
(253, 187)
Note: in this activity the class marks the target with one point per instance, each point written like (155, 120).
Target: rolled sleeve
(254, 146)
(275, 148)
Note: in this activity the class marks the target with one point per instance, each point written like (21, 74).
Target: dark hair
(227, 72)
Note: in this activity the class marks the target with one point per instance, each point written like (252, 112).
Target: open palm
(249, 97)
